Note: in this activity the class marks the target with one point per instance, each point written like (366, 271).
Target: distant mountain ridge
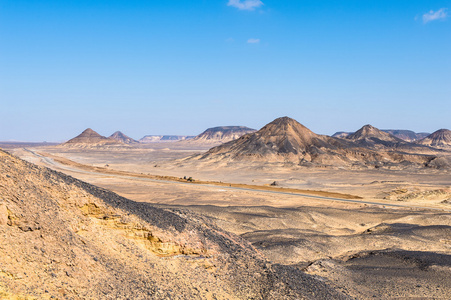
(164, 138)
(406, 135)
(286, 140)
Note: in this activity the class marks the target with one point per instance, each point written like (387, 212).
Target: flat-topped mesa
(407, 135)
(163, 138)
(222, 134)
(119, 136)
(91, 138)
(440, 139)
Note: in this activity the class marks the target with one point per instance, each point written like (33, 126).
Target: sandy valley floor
(395, 242)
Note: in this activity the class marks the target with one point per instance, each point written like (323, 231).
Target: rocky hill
(286, 140)
(369, 136)
(90, 138)
(66, 239)
(439, 139)
(119, 136)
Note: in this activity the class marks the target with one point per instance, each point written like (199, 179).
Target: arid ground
(372, 233)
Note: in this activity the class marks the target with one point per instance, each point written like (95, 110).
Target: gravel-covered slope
(63, 238)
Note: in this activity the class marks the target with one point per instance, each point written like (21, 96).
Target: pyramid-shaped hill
(282, 139)
(90, 138)
(119, 136)
(221, 134)
(286, 140)
(370, 136)
(439, 139)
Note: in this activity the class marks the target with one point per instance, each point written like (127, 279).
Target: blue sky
(178, 67)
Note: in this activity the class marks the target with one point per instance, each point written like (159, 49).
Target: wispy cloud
(435, 15)
(253, 41)
(245, 4)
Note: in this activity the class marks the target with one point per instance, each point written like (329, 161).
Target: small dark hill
(439, 139)
(119, 136)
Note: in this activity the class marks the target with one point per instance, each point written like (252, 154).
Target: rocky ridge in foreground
(63, 238)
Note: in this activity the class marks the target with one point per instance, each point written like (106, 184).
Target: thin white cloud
(253, 41)
(435, 15)
(245, 4)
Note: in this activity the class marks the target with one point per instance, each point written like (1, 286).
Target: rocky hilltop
(439, 139)
(369, 136)
(90, 138)
(66, 239)
(119, 136)
(286, 140)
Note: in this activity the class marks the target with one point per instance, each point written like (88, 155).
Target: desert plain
(370, 233)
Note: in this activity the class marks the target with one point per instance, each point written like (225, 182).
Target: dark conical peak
(118, 134)
(285, 121)
(441, 133)
(441, 137)
(286, 126)
(89, 133)
(369, 131)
